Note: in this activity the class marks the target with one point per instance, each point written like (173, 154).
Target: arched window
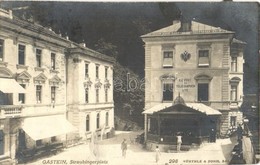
(87, 123)
(107, 117)
(2, 136)
(98, 116)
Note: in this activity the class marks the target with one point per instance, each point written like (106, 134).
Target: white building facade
(40, 81)
(202, 64)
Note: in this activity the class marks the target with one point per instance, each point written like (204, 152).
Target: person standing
(124, 148)
(157, 154)
(179, 141)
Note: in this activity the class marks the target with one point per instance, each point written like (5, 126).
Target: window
(203, 91)
(21, 96)
(38, 93)
(21, 54)
(233, 64)
(97, 71)
(86, 95)
(106, 71)
(86, 70)
(53, 139)
(38, 142)
(97, 95)
(233, 93)
(53, 94)
(234, 88)
(38, 57)
(107, 117)
(167, 91)
(2, 144)
(87, 123)
(98, 116)
(1, 50)
(106, 95)
(203, 58)
(168, 59)
(53, 61)
(233, 121)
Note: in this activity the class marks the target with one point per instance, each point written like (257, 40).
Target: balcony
(10, 111)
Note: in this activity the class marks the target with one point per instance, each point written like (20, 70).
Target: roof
(196, 28)
(234, 40)
(199, 107)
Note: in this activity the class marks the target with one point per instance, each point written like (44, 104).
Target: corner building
(47, 92)
(196, 68)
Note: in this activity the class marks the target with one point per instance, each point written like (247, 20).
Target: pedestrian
(124, 148)
(157, 154)
(212, 136)
(179, 141)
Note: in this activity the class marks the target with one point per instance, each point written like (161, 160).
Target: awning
(47, 126)
(195, 106)
(10, 86)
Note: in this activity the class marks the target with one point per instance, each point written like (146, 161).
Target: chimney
(83, 44)
(185, 25)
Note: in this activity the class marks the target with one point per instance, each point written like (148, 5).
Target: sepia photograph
(129, 83)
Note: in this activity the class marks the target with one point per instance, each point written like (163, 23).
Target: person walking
(179, 141)
(157, 154)
(124, 148)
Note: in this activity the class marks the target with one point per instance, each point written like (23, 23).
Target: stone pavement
(108, 151)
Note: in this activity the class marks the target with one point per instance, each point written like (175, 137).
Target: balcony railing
(10, 110)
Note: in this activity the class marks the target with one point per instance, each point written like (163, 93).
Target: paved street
(109, 152)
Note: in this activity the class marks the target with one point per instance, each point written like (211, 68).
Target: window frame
(199, 56)
(23, 53)
(107, 119)
(38, 58)
(2, 45)
(198, 92)
(97, 71)
(86, 70)
(38, 93)
(86, 95)
(106, 95)
(98, 120)
(97, 95)
(87, 123)
(234, 64)
(53, 61)
(164, 83)
(22, 95)
(53, 94)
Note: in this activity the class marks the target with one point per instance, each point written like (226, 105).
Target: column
(13, 145)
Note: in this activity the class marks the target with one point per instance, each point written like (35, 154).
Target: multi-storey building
(40, 77)
(201, 66)
(90, 92)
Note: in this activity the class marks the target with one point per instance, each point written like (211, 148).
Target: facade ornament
(23, 77)
(107, 84)
(98, 84)
(185, 56)
(40, 79)
(87, 84)
(55, 81)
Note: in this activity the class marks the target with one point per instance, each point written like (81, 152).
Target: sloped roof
(196, 28)
(199, 107)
